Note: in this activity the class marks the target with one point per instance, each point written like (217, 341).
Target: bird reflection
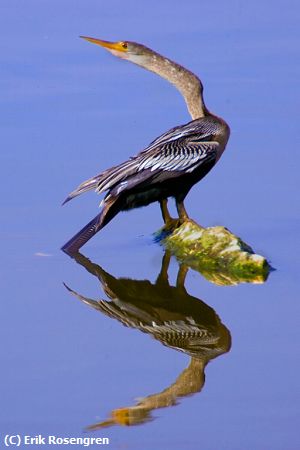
(170, 315)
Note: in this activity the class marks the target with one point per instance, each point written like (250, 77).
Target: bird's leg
(170, 222)
(164, 210)
(183, 215)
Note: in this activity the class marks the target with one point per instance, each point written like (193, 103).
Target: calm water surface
(70, 110)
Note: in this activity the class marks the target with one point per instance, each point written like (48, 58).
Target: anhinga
(171, 164)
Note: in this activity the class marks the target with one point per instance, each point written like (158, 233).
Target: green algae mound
(219, 255)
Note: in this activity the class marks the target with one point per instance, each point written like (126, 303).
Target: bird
(171, 164)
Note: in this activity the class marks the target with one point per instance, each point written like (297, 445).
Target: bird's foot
(183, 218)
(171, 224)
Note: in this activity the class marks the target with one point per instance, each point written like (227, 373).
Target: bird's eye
(124, 45)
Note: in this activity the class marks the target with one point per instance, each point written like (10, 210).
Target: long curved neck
(185, 81)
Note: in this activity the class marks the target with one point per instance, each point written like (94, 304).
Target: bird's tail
(108, 212)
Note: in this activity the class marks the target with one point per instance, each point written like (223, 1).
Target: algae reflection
(170, 315)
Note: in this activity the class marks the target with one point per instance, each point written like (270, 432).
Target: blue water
(70, 110)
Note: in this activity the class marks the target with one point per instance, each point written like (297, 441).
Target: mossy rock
(215, 252)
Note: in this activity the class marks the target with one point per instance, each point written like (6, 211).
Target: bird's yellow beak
(111, 46)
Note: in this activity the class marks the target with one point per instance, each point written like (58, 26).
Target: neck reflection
(170, 315)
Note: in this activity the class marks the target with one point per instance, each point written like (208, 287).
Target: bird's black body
(167, 185)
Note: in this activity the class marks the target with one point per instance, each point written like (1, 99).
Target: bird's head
(132, 51)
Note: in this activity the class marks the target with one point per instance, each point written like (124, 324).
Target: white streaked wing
(201, 128)
(189, 157)
(115, 175)
(171, 151)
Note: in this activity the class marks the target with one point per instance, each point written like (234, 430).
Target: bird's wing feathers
(169, 158)
(204, 128)
(104, 181)
(175, 157)
(182, 148)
